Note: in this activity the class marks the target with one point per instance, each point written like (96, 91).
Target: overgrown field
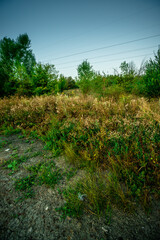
(115, 140)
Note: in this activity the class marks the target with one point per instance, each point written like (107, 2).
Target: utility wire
(100, 27)
(108, 55)
(112, 60)
(105, 47)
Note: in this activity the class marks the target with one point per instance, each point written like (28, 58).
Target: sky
(67, 32)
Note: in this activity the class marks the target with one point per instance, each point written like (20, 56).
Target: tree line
(20, 74)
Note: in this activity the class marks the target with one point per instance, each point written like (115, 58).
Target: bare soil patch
(36, 218)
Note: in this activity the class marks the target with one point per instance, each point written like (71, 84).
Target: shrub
(152, 76)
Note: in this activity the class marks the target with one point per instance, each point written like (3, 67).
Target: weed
(25, 183)
(14, 162)
(20, 136)
(3, 143)
(39, 166)
(25, 186)
(73, 206)
(70, 173)
(35, 154)
(49, 177)
(46, 173)
(108, 213)
(9, 130)
(29, 150)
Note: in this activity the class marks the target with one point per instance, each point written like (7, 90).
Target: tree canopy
(13, 55)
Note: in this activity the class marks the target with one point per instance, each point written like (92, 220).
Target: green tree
(22, 80)
(44, 78)
(12, 53)
(85, 75)
(128, 73)
(152, 76)
(128, 68)
(65, 83)
(24, 52)
(61, 84)
(7, 55)
(71, 84)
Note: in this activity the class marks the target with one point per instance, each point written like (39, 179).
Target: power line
(112, 60)
(102, 26)
(105, 47)
(108, 55)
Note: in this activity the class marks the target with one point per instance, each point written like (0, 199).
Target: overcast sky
(60, 28)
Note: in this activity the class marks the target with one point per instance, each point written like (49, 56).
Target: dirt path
(36, 218)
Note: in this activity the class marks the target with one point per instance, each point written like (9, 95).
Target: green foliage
(138, 86)
(128, 69)
(49, 177)
(23, 82)
(44, 78)
(14, 162)
(61, 84)
(24, 53)
(46, 173)
(37, 167)
(89, 194)
(114, 91)
(13, 53)
(70, 83)
(57, 135)
(85, 75)
(20, 74)
(25, 183)
(65, 83)
(152, 77)
(8, 130)
(73, 206)
(25, 186)
(69, 173)
(3, 143)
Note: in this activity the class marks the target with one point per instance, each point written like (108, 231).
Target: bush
(152, 76)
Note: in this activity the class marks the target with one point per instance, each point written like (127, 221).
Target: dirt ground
(36, 218)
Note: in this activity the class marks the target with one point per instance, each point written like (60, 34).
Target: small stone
(46, 208)
(7, 150)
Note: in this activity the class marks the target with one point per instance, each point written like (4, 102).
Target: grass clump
(25, 183)
(25, 186)
(69, 173)
(46, 173)
(73, 206)
(41, 173)
(90, 194)
(8, 130)
(3, 143)
(14, 162)
(49, 177)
